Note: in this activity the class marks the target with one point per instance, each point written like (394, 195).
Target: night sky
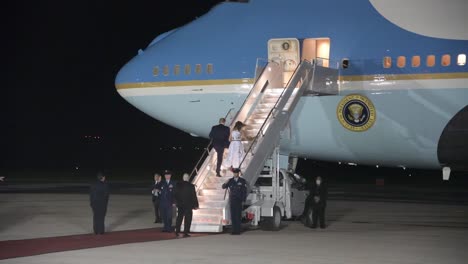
(62, 59)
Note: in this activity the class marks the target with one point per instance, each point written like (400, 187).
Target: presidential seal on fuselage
(356, 112)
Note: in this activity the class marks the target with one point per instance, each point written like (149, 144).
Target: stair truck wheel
(273, 223)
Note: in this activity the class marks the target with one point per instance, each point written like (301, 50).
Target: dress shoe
(187, 235)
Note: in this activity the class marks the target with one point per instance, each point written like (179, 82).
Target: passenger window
(461, 60)
(156, 71)
(415, 61)
(177, 70)
(198, 68)
(187, 69)
(430, 61)
(387, 62)
(345, 63)
(445, 61)
(401, 61)
(209, 68)
(166, 70)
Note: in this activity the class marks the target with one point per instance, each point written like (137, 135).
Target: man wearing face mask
(318, 195)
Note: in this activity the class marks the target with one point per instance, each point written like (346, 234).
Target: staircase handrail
(287, 87)
(234, 120)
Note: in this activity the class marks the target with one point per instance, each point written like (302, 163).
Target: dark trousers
(318, 213)
(166, 213)
(220, 152)
(308, 202)
(157, 214)
(98, 220)
(184, 213)
(236, 215)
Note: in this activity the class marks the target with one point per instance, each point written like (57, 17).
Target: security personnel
(319, 195)
(237, 194)
(167, 191)
(155, 198)
(186, 200)
(98, 198)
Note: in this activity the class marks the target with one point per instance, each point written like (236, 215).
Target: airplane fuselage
(413, 85)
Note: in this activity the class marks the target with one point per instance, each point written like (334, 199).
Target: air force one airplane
(401, 76)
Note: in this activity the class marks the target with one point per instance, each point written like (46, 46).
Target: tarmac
(358, 231)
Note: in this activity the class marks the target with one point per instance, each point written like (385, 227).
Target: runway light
(377, 166)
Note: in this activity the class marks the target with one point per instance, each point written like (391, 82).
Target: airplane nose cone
(128, 75)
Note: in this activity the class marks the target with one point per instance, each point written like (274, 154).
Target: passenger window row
(187, 69)
(445, 60)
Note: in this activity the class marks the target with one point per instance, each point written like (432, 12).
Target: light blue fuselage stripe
(406, 133)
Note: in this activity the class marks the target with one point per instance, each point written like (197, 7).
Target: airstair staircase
(266, 112)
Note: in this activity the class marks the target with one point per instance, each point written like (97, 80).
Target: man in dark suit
(167, 189)
(186, 200)
(219, 136)
(155, 197)
(98, 198)
(319, 195)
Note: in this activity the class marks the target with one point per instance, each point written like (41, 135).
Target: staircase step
(208, 211)
(207, 219)
(212, 204)
(211, 198)
(213, 185)
(201, 227)
(260, 115)
(216, 197)
(274, 91)
(253, 131)
(252, 121)
(269, 100)
(211, 192)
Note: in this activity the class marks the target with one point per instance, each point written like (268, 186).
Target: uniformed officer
(237, 194)
(98, 198)
(167, 190)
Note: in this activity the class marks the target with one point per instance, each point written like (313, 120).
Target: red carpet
(36, 246)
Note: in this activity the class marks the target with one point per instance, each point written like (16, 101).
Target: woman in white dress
(236, 149)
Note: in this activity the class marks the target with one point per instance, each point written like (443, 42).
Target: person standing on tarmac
(186, 200)
(167, 189)
(98, 198)
(155, 198)
(237, 194)
(319, 195)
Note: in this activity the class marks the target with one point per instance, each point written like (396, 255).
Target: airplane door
(284, 51)
(317, 49)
